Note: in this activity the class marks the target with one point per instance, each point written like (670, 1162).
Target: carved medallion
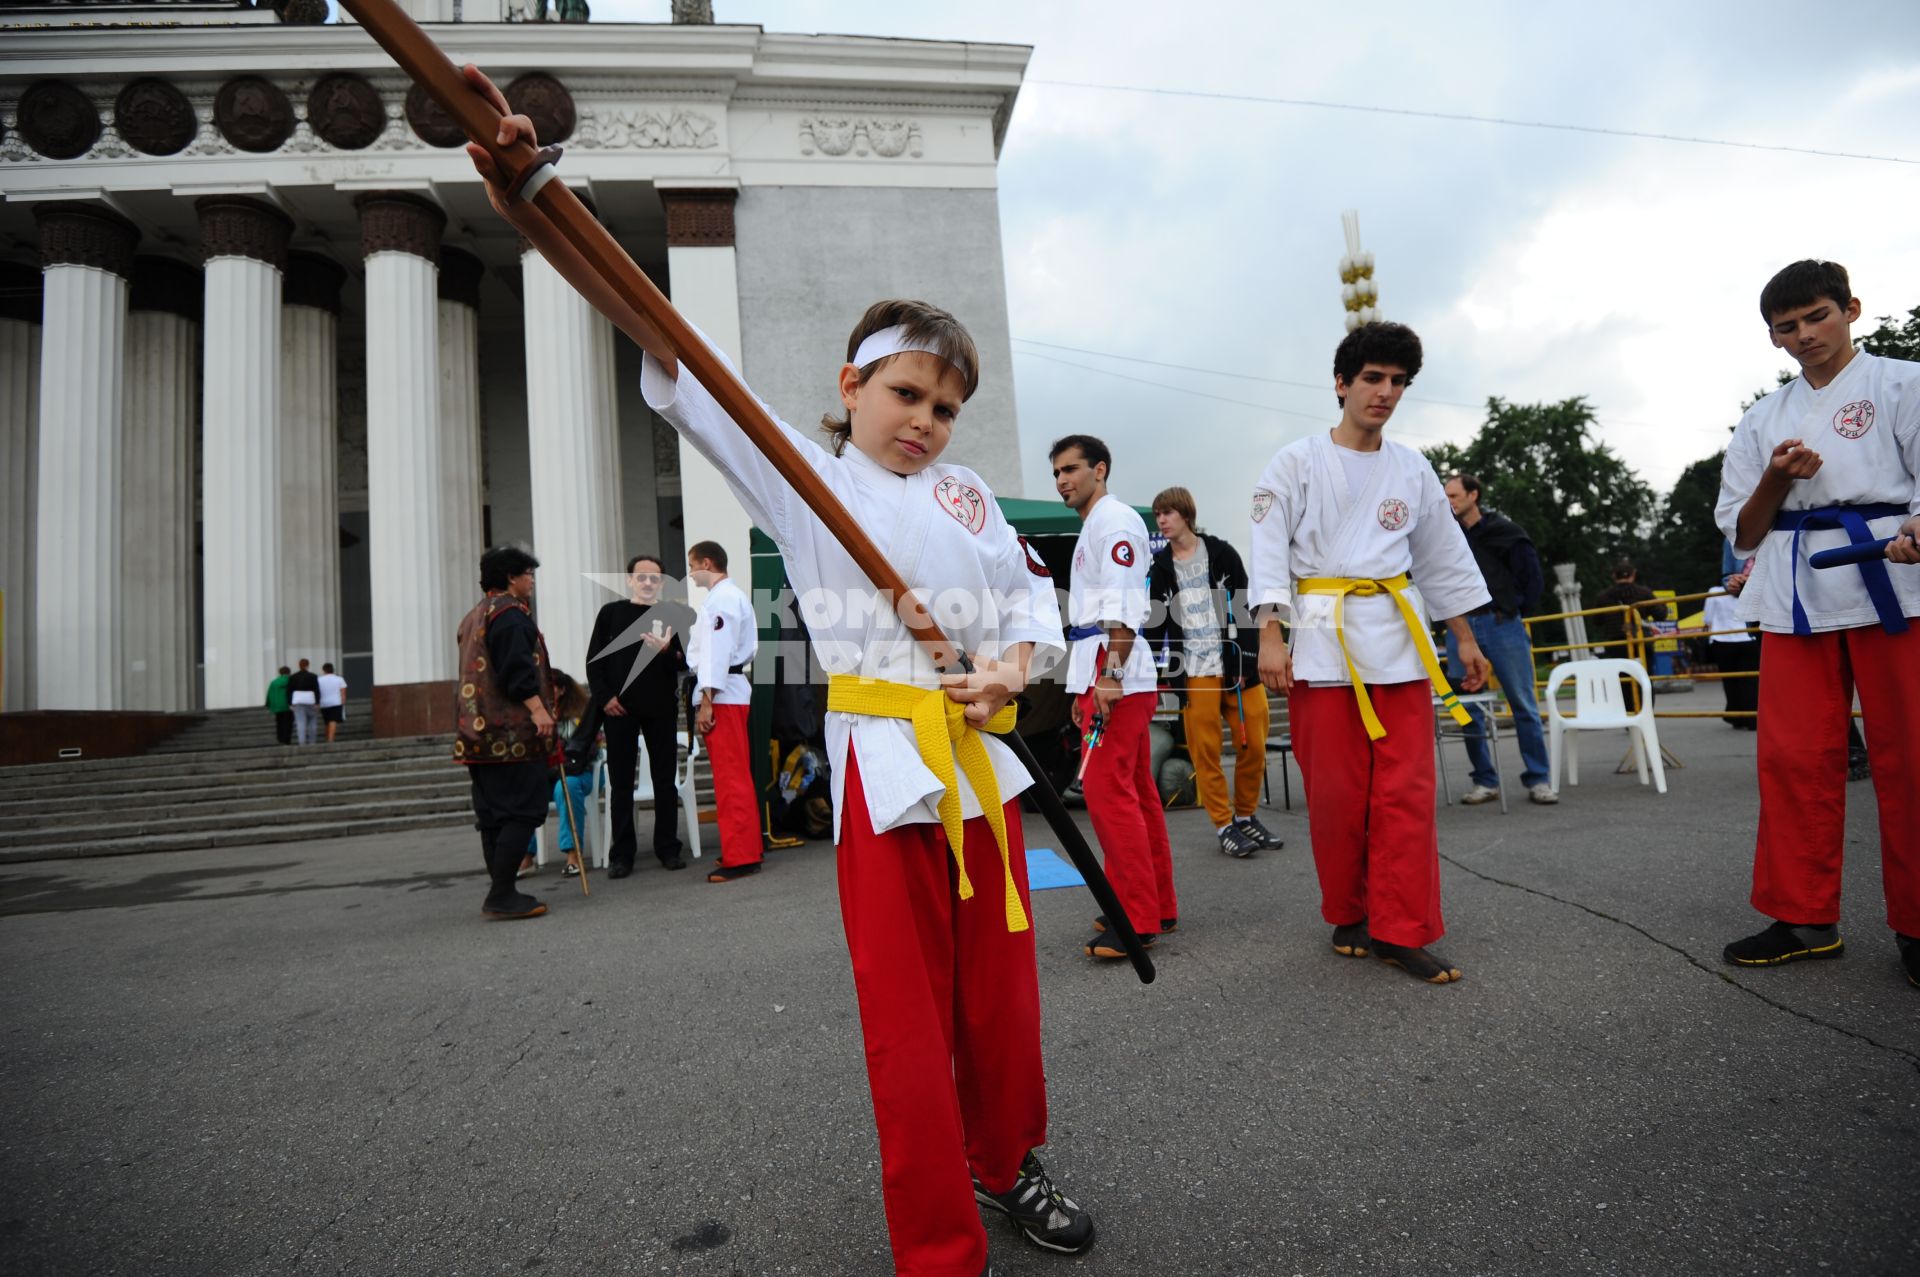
(431, 123)
(546, 102)
(58, 120)
(253, 114)
(154, 117)
(346, 111)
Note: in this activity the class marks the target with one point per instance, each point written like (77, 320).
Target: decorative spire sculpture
(1358, 293)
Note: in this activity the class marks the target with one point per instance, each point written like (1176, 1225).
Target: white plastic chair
(1599, 705)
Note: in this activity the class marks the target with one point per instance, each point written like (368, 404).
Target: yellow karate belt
(1340, 587)
(945, 738)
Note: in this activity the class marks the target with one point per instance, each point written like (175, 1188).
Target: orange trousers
(1208, 699)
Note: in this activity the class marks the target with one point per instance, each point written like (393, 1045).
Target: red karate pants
(950, 1010)
(1123, 800)
(1806, 695)
(1370, 808)
(733, 792)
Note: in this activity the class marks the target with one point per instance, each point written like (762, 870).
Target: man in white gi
(1341, 520)
(1830, 458)
(719, 651)
(1114, 677)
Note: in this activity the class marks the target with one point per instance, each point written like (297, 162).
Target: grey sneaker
(1543, 794)
(1479, 794)
(1048, 1217)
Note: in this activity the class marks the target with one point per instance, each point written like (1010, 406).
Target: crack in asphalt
(1717, 972)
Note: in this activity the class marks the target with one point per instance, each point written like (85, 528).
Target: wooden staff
(517, 163)
(573, 828)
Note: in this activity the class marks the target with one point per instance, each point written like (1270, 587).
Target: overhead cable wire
(1320, 387)
(1316, 418)
(1465, 117)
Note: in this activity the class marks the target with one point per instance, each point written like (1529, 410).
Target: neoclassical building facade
(272, 373)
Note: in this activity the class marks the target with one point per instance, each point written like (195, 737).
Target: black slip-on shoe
(519, 905)
(728, 873)
(1350, 940)
(1048, 1217)
(1783, 942)
(619, 871)
(1166, 924)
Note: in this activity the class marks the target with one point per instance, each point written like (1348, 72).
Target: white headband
(891, 341)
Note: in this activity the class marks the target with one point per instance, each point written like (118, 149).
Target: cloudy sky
(1536, 264)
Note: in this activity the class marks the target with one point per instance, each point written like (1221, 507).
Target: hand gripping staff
(529, 175)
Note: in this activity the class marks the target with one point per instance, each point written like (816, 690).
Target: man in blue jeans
(1511, 567)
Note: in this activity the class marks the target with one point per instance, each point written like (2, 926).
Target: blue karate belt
(1078, 632)
(1853, 520)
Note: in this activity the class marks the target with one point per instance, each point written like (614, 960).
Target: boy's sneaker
(1858, 768)
(1909, 957)
(1543, 794)
(1479, 794)
(1783, 942)
(1048, 1217)
(1260, 833)
(1237, 842)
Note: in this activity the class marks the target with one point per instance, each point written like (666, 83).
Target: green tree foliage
(1540, 465)
(1902, 342)
(1683, 550)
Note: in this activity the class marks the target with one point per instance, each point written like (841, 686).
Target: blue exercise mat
(1046, 869)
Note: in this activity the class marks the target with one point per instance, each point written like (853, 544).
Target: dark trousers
(283, 726)
(656, 724)
(1743, 693)
(509, 803)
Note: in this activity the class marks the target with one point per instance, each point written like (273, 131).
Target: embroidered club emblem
(719, 621)
(1393, 514)
(1123, 553)
(963, 502)
(1854, 420)
(1035, 564)
(1262, 502)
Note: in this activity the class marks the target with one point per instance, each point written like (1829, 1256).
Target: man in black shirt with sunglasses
(634, 663)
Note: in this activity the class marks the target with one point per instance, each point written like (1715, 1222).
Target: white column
(19, 477)
(573, 461)
(157, 485)
(705, 285)
(460, 428)
(309, 464)
(413, 642)
(87, 253)
(245, 242)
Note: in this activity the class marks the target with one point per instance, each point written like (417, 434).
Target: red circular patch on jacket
(963, 502)
(1393, 514)
(1123, 553)
(1035, 564)
(1854, 419)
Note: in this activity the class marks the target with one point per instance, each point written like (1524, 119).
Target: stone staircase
(218, 784)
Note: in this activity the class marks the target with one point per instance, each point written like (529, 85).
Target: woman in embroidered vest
(505, 723)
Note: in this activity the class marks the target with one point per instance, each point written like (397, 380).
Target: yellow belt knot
(950, 746)
(1340, 587)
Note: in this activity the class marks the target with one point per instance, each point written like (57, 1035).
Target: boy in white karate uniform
(945, 975)
(1831, 457)
(719, 651)
(1340, 522)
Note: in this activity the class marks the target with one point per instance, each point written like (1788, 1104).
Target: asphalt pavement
(317, 1058)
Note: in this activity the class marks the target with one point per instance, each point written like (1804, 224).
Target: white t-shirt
(333, 690)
